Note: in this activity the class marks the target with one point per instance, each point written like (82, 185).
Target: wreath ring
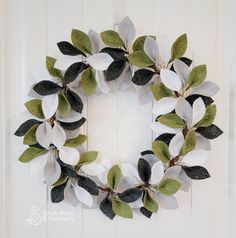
(183, 108)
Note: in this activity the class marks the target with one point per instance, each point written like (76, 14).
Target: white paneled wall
(117, 125)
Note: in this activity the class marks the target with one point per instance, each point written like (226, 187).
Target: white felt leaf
(71, 117)
(124, 79)
(100, 61)
(69, 155)
(202, 143)
(126, 30)
(137, 204)
(167, 202)
(83, 196)
(33, 94)
(176, 144)
(52, 171)
(129, 170)
(65, 61)
(164, 105)
(198, 111)
(207, 88)
(196, 157)
(157, 173)
(58, 136)
(126, 183)
(182, 70)
(49, 105)
(159, 129)
(36, 165)
(44, 134)
(70, 196)
(95, 41)
(172, 172)
(150, 48)
(150, 158)
(93, 169)
(171, 79)
(184, 110)
(184, 180)
(101, 82)
(103, 177)
(164, 48)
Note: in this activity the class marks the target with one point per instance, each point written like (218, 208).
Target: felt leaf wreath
(184, 124)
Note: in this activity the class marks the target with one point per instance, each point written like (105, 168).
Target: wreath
(183, 108)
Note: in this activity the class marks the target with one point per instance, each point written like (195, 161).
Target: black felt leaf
(106, 208)
(144, 170)
(75, 101)
(115, 53)
(210, 132)
(130, 195)
(147, 152)
(196, 172)
(186, 60)
(46, 87)
(166, 137)
(24, 127)
(67, 48)
(142, 76)
(115, 69)
(67, 169)
(37, 145)
(145, 212)
(57, 193)
(73, 71)
(207, 100)
(72, 125)
(88, 184)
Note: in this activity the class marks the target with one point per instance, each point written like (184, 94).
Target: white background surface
(117, 124)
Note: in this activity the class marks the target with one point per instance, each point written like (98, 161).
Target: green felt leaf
(112, 39)
(64, 107)
(121, 209)
(81, 41)
(161, 150)
(114, 176)
(179, 47)
(139, 42)
(87, 158)
(149, 203)
(34, 106)
(61, 180)
(197, 75)
(190, 142)
(168, 186)
(31, 153)
(88, 82)
(140, 59)
(209, 116)
(50, 63)
(77, 141)
(172, 120)
(30, 138)
(159, 90)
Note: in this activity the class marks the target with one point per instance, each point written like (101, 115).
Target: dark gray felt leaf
(144, 170)
(142, 76)
(24, 127)
(115, 53)
(166, 137)
(210, 132)
(207, 100)
(147, 152)
(106, 208)
(67, 48)
(196, 172)
(115, 69)
(88, 184)
(57, 193)
(130, 195)
(75, 101)
(67, 169)
(186, 60)
(145, 212)
(73, 71)
(46, 87)
(73, 125)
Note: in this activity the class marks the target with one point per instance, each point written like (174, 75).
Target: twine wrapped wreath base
(183, 109)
